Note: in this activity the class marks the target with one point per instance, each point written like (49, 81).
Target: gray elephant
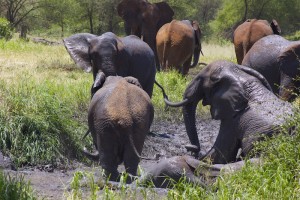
(177, 43)
(143, 19)
(120, 115)
(242, 99)
(127, 56)
(170, 171)
(277, 59)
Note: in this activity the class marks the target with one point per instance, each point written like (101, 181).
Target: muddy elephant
(122, 56)
(144, 19)
(177, 43)
(242, 100)
(246, 34)
(170, 171)
(277, 59)
(119, 117)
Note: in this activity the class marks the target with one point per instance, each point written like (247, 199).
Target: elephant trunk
(189, 115)
(197, 51)
(177, 104)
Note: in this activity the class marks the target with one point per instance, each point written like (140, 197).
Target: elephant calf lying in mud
(120, 115)
(171, 170)
(242, 99)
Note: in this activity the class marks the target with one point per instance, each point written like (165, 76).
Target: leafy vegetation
(14, 188)
(5, 29)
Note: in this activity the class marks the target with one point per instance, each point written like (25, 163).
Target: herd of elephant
(251, 98)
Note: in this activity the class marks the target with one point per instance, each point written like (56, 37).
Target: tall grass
(15, 188)
(43, 106)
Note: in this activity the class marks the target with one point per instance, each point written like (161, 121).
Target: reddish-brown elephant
(246, 34)
(177, 42)
(144, 19)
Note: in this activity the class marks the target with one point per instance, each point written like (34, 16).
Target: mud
(165, 140)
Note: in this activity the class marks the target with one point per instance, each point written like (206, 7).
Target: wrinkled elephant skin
(242, 99)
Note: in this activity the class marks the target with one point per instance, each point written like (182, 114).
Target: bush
(294, 37)
(14, 188)
(5, 29)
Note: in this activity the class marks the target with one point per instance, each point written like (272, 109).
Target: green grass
(15, 188)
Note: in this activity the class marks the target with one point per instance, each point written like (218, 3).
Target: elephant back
(122, 103)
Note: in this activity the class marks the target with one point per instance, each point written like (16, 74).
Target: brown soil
(165, 140)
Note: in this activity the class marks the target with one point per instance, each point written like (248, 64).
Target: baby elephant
(119, 117)
(171, 170)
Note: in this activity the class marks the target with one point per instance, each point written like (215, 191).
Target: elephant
(177, 42)
(170, 171)
(127, 56)
(144, 19)
(242, 99)
(277, 59)
(246, 34)
(119, 117)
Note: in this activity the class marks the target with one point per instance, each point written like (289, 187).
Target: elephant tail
(131, 142)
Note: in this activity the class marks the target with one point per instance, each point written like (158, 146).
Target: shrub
(5, 29)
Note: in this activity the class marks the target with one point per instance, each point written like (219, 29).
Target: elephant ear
(98, 83)
(78, 47)
(133, 81)
(228, 95)
(289, 60)
(197, 32)
(275, 27)
(289, 64)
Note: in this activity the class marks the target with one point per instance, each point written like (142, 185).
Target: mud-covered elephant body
(144, 19)
(119, 117)
(242, 99)
(170, 171)
(122, 56)
(277, 59)
(246, 34)
(177, 43)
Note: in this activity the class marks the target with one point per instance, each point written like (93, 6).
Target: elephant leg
(109, 159)
(133, 149)
(239, 52)
(186, 66)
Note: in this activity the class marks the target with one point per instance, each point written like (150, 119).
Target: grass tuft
(15, 188)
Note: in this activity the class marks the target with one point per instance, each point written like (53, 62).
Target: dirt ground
(165, 140)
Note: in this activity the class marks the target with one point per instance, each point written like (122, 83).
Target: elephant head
(96, 53)
(198, 47)
(220, 85)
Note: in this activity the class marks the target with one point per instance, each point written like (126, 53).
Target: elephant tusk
(177, 104)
